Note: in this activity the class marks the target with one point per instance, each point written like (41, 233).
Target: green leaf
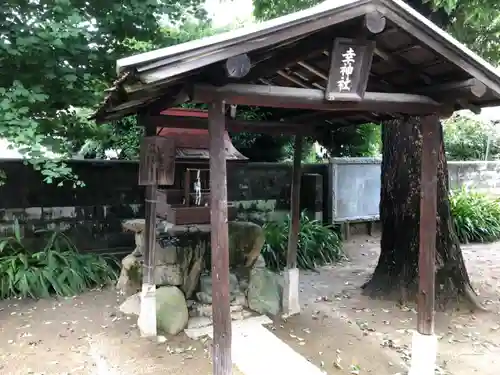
(59, 268)
(318, 245)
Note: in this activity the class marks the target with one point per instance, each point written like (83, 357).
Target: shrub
(58, 268)
(476, 216)
(318, 244)
(467, 138)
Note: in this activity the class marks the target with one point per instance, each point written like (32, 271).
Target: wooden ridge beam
(236, 126)
(289, 97)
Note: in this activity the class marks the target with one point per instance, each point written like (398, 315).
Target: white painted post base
(423, 354)
(291, 304)
(147, 315)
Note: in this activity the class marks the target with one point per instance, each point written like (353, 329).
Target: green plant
(318, 244)
(467, 137)
(58, 268)
(476, 216)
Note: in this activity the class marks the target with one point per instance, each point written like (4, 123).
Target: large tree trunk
(396, 274)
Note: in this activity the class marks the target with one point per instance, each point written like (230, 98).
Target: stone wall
(92, 215)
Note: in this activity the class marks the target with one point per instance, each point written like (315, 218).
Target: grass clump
(56, 268)
(476, 216)
(318, 244)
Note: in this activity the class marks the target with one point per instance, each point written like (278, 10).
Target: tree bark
(396, 274)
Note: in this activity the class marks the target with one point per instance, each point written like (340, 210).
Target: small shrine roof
(194, 144)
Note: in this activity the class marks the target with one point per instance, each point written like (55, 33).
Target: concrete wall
(482, 176)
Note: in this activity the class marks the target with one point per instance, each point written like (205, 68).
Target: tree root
(471, 299)
(378, 288)
(382, 288)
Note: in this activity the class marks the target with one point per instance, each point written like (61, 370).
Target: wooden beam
(289, 97)
(471, 107)
(295, 204)
(147, 315)
(222, 364)
(237, 66)
(235, 126)
(469, 86)
(430, 127)
(375, 22)
(291, 305)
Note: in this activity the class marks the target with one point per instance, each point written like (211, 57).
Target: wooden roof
(412, 56)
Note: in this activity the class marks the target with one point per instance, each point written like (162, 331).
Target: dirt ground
(339, 330)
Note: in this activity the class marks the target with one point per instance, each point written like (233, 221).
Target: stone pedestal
(180, 254)
(183, 257)
(183, 251)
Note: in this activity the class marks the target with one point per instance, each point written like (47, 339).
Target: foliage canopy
(57, 56)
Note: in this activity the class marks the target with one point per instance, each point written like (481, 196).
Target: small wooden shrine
(187, 201)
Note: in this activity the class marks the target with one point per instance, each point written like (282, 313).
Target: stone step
(251, 345)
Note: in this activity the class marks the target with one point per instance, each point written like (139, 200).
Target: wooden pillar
(424, 344)
(291, 304)
(147, 315)
(222, 364)
(428, 225)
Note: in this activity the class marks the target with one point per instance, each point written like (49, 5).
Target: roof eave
(416, 24)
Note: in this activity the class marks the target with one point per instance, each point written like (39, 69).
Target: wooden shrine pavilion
(343, 62)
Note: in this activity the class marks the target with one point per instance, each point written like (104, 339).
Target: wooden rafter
(288, 77)
(268, 64)
(313, 70)
(401, 63)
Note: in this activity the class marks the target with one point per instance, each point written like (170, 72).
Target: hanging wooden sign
(157, 161)
(350, 65)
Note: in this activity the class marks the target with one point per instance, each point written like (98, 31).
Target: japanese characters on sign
(346, 70)
(349, 69)
(157, 161)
